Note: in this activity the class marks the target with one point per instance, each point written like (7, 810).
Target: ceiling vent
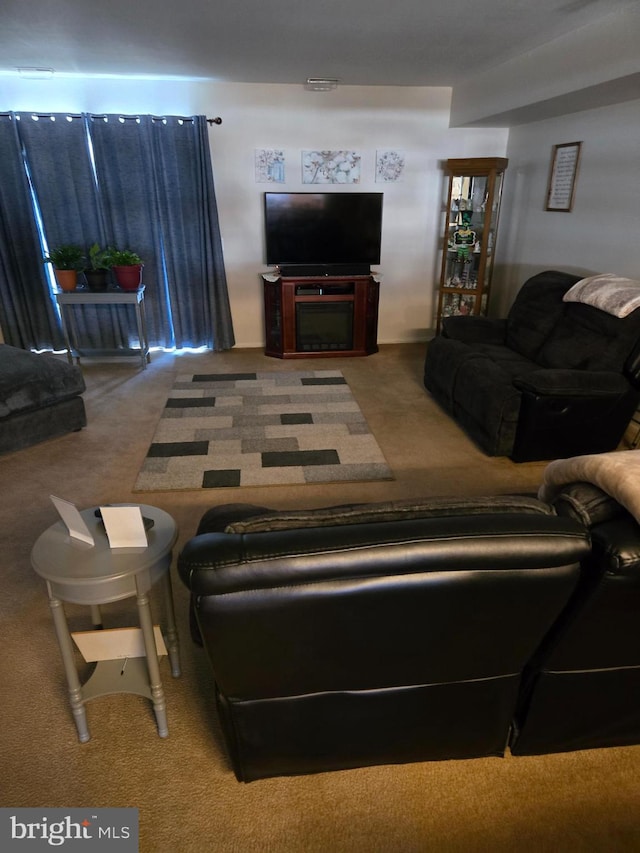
(36, 73)
(321, 84)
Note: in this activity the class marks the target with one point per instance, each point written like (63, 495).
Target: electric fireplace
(320, 316)
(322, 326)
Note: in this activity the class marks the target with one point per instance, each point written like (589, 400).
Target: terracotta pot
(128, 278)
(67, 279)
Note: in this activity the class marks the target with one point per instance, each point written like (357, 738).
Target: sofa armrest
(573, 383)
(587, 503)
(475, 329)
(632, 367)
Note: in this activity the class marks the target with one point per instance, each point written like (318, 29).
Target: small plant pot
(97, 280)
(128, 278)
(66, 279)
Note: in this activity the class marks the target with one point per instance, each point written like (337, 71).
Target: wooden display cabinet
(320, 316)
(472, 208)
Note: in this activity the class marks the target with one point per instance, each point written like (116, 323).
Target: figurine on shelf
(462, 243)
(463, 239)
(464, 211)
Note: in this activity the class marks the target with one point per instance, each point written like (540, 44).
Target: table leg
(65, 332)
(157, 693)
(145, 331)
(171, 634)
(73, 327)
(96, 616)
(142, 334)
(68, 660)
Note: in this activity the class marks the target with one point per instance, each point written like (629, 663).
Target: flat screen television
(319, 230)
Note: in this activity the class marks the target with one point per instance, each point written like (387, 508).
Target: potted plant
(97, 273)
(127, 268)
(66, 260)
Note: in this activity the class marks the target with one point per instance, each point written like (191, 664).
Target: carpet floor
(188, 798)
(225, 430)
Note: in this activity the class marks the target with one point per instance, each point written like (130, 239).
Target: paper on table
(70, 514)
(115, 643)
(124, 526)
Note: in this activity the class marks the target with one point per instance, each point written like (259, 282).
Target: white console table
(67, 299)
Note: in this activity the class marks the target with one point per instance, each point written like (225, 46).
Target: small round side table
(97, 574)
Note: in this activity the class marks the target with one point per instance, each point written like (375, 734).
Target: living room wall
(414, 121)
(600, 234)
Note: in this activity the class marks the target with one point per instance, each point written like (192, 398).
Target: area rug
(225, 430)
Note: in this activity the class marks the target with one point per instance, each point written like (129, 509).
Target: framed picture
(331, 167)
(562, 177)
(269, 166)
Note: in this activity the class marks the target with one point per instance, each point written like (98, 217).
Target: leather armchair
(581, 690)
(375, 634)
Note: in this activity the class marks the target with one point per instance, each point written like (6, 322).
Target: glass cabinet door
(472, 208)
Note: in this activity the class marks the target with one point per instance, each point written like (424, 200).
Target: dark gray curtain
(142, 183)
(58, 159)
(27, 314)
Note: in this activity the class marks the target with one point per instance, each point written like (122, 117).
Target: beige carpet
(188, 798)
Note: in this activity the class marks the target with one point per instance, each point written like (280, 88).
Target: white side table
(67, 299)
(95, 575)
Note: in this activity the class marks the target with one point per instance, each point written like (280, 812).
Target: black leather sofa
(581, 689)
(553, 379)
(414, 631)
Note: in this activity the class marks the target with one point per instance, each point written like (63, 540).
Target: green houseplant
(97, 273)
(67, 260)
(127, 268)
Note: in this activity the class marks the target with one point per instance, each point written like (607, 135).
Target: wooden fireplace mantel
(285, 338)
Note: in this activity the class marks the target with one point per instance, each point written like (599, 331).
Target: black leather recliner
(375, 634)
(553, 379)
(581, 690)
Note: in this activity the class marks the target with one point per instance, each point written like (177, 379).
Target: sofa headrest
(536, 310)
(377, 513)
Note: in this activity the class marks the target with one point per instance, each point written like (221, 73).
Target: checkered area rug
(258, 429)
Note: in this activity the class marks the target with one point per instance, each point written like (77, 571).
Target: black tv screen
(323, 228)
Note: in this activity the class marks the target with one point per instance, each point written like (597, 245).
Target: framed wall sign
(562, 177)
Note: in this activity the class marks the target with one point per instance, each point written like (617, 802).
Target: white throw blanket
(616, 473)
(607, 292)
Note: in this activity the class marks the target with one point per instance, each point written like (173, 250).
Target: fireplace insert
(322, 326)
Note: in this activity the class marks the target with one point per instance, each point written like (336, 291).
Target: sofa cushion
(474, 329)
(30, 381)
(536, 309)
(487, 404)
(512, 363)
(445, 358)
(588, 339)
(271, 520)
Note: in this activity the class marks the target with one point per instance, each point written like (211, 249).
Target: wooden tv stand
(320, 316)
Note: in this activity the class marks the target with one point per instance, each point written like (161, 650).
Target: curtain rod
(216, 120)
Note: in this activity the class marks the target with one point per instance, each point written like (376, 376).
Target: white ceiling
(360, 42)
